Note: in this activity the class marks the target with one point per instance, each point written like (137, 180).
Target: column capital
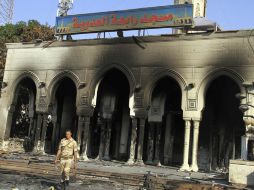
(42, 112)
(84, 118)
(187, 123)
(142, 121)
(196, 124)
(134, 120)
(42, 104)
(85, 111)
(140, 113)
(12, 108)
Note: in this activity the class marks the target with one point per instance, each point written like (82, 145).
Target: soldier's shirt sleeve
(60, 145)
(75, 147)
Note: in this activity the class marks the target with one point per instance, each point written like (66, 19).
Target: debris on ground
(40, 171)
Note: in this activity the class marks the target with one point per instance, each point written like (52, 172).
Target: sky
(229, 14)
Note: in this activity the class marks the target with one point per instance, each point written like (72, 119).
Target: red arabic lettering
(156, 18)
(123, 20)
(133, 20)
(120, 20)
(86, 25)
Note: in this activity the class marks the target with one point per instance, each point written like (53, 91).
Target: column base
(106, 158)
(39, 148)
(140, 162)
(39, 153)
(166, 160)
(157, 162)
(36, 151)
(194, 168)
(130, 162)
(185, 167)
(84, 158)
(42, 148)
(1, 144)
(149, 162)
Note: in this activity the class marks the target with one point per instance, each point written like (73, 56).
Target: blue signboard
(153, 17)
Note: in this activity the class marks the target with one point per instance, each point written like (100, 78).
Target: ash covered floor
(25, 171)
(22, 182)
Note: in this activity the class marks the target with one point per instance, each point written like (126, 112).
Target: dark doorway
(111, 120)
(169, 132)
(64, 113)
(222, 125)
(24, 114)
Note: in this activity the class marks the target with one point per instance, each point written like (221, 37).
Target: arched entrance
(63, 114)
(24, 114)
(164, 129)
(110, 135)
(222, 125)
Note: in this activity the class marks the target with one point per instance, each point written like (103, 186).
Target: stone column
(81, 124)
(133, 140)
(194, 166)
(185, 166)
(141, 141)
(102, 140)
(89, 144)
(150, 143)
(31, 114)
(31, 124)
(37, 132)
(86, 121)
(168, 146)
(124, 131)
(9, 121)
(108, 140)
(117, 139)
(244, 147)
(43, 133)
(53, 136)
(157, 144)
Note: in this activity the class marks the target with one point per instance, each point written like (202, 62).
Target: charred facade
(165, 100)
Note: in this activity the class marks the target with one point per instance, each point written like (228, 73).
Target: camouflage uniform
(67, 147)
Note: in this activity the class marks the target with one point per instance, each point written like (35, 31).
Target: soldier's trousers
(65, 169)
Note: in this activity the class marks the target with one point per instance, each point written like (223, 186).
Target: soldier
(67, 151)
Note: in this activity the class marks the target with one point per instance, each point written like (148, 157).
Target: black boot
(67, 183)
(63, 185)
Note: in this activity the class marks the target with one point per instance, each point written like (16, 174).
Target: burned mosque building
(160, 100)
